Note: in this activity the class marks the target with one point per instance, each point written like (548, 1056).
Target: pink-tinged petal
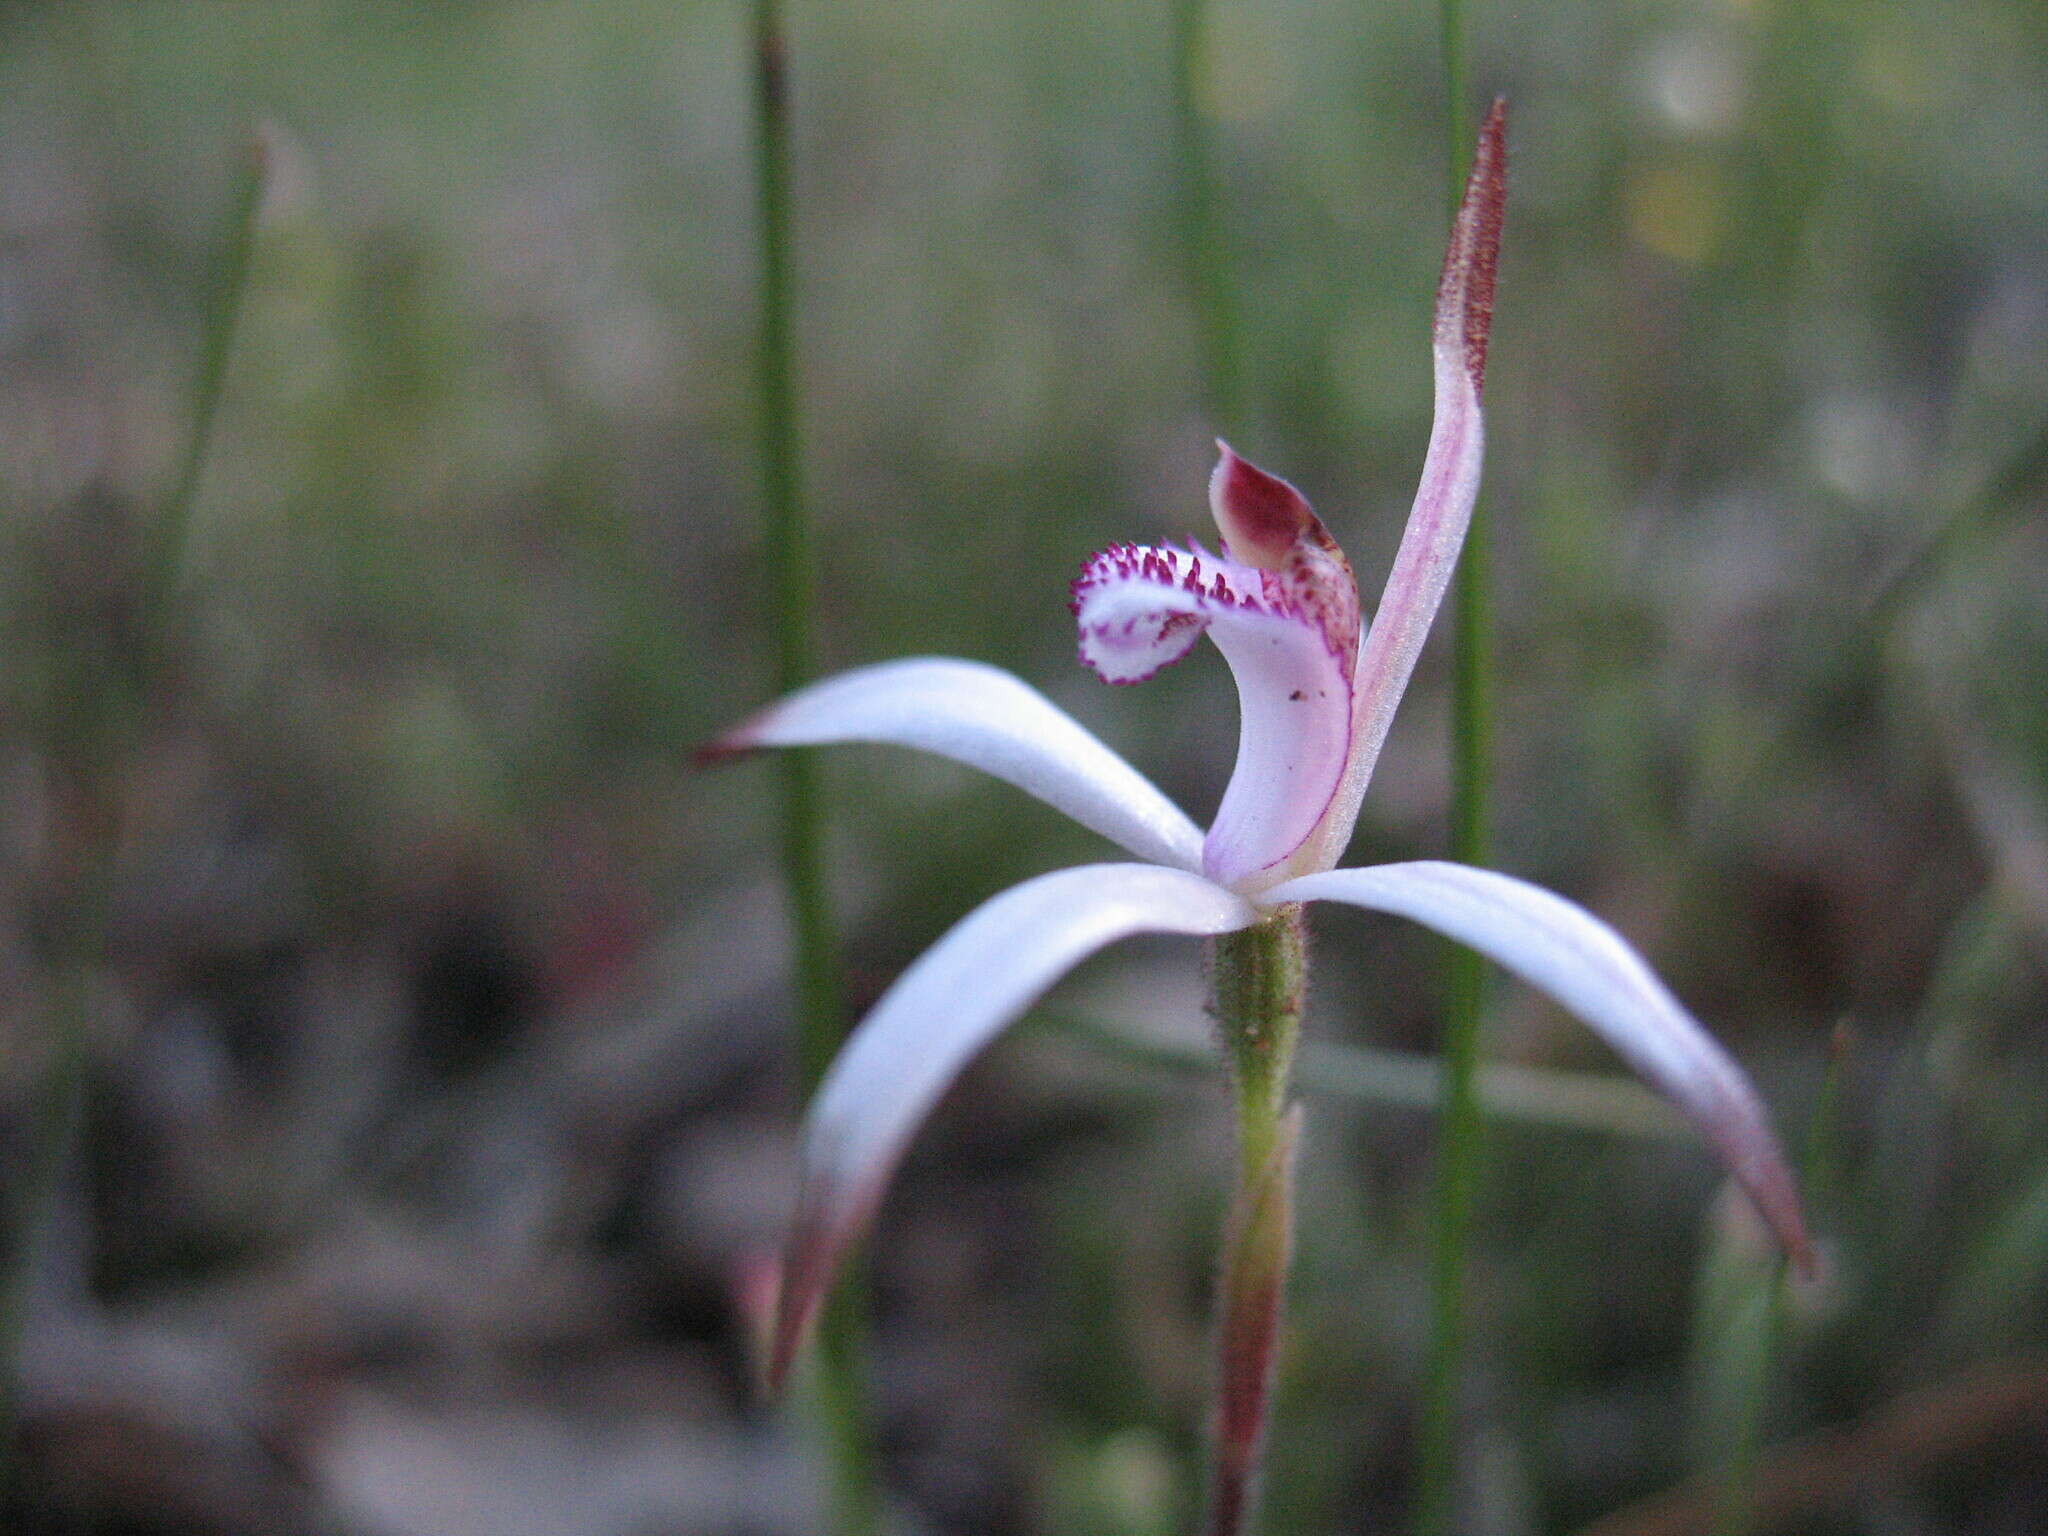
(1567, 952)
(1450, 484)
(989, 720)
(957, 997)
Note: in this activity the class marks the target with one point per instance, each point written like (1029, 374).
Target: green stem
(1258, 979)
(1459, 1126)
(841, 1389)
(1204, 245)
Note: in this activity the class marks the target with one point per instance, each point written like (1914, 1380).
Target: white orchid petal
(956, 998)
(988, 719)
(1444, 499)
(1565, 951)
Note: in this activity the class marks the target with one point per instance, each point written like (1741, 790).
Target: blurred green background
(438, 1095)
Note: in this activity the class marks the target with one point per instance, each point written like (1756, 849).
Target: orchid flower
(1317, 688)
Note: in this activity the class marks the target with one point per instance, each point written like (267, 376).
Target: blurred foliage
(439, 1098)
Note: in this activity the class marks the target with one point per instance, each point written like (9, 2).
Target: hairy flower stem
(1258, 978)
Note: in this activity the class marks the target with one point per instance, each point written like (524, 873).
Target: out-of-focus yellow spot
(1674, 209)
(1240, 76)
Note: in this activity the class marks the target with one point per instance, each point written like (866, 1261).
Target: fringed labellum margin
(1282, 607)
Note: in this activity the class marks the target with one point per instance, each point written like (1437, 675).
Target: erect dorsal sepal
(1259, 515)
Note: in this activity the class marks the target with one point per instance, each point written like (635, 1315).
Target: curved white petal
(1570, 954)
(988, 719)
(959, 995)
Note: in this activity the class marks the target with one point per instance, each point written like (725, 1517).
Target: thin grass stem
(171, 542)
(59, 1113)
(1460, 1127)
(1204, 244)
(840, 1400)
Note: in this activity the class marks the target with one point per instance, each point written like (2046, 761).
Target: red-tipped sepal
(1442, 512)
(1257, 1247)
(1464, 295)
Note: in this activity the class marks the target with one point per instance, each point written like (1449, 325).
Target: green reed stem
(1459, 1125)
(1204, 244)
(841, 1394)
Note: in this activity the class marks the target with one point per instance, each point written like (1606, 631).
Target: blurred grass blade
(840, 1397)
(61, 1099)
(59, 1113)
(2002, 1277)
(1459, 1128)
(2021, 480)
(1364, 1075)
(222, 308)
(1204, 244)
(788, 549)
(1742, 1313)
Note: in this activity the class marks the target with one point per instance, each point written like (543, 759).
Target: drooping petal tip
(1464, 300)
(723, 748)
(804, 1277)
(963, 992)
(1562, 949)
(1259, 515)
